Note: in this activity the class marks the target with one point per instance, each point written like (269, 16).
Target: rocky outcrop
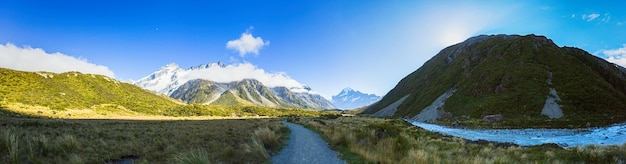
(391, 109)
(435, 110)
(492, 118)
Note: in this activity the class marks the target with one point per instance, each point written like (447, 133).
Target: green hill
(512, 76)
(73, 90)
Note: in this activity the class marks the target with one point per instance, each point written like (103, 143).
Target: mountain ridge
(511, 76)
(194, 85)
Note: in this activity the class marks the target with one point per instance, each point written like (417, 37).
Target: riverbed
(611, 135)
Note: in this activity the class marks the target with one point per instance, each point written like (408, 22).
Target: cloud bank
(617, 56)
(247, 44)
(171, 76)
(36, 59)
(238, 72)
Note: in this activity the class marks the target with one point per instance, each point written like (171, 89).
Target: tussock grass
(267, 137)
(197, 156)
(33, 140)
(379, 140)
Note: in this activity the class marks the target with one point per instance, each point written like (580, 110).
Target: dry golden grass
(95, 113)
(34, 140)
(378, 140)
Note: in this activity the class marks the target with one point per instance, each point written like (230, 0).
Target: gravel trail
(305, 146)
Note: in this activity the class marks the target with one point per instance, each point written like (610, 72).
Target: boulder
(492, 118)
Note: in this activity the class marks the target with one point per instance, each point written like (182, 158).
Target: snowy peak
(206, 66)
(169, 77)
(349, 98)
(242, 82)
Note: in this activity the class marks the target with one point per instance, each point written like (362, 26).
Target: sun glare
(452, 36)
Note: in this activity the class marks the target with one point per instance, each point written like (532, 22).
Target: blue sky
(328, 45)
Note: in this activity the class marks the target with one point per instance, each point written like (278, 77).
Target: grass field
(379, 140)
(37, 140)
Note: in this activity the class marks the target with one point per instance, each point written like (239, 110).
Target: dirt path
(305, 146)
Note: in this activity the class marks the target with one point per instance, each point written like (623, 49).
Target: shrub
(268, 138)
(11, 142)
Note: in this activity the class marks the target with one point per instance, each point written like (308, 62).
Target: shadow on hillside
(7, 113)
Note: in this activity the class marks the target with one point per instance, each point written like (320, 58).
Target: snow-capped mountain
(351, 99)
(241, 83)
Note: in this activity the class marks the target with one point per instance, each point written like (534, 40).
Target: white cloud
(590, 17)
(36, 59)
(247, 44)
(606, 18)
(238, 72)
(617, 56)
(171, 76)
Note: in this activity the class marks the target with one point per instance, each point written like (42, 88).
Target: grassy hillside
(76, 95)
(512, 75)
(73, 90)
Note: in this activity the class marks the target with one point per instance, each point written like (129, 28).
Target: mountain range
(511, 80)
(352, 99)
(243, 84)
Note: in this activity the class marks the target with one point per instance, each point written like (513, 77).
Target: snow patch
(45, 75)
(435, 110)
(391, 109)
(551, 108)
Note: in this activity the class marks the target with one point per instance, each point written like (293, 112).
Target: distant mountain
(74, 90)
(521, 81)
(351, 99)
(220, 84)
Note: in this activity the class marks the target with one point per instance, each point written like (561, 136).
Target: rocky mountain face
(191, 86)
(351, 99)
(524, 80)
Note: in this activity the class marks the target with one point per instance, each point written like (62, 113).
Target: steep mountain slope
(73, 90)
(199, 91)
(246, 92)
(197, 85)
(303, 99)
(525, 80)
(351, 99)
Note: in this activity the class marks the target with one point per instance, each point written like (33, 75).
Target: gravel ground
(305, 146)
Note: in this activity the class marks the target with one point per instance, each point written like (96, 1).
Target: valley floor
(36, 140)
